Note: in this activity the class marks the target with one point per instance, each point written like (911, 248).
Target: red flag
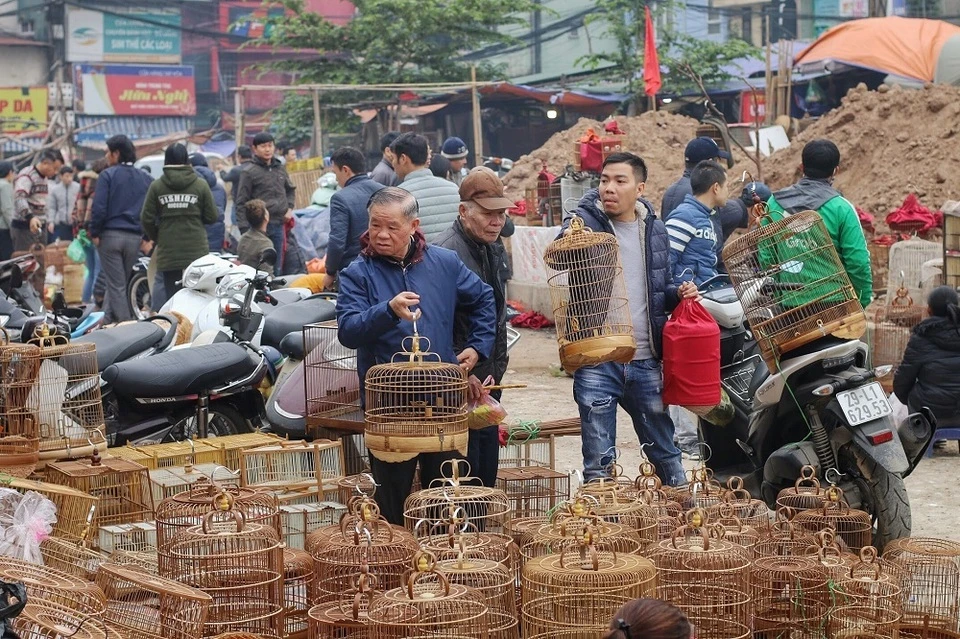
(651, 64)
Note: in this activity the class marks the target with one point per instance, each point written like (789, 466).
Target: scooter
(822, 407)
(200, 281)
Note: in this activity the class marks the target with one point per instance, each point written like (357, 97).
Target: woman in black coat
(930, 372)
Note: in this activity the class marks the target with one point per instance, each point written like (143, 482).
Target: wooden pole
(477, 122)
(317, 126)
(769, 96)
(238, 108)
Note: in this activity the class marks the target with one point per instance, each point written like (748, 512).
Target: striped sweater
(693, 242)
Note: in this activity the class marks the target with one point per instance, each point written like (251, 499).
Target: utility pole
(317, 126)
(56, 14)
(477, 121)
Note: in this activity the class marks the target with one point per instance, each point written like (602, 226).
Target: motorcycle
(500, 166)
(822, 408)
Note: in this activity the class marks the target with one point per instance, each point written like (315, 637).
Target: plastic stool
(949, 434)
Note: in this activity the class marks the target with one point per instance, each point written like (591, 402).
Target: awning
(915, 48)
(366, 115)
(134, 127)
(17, 145)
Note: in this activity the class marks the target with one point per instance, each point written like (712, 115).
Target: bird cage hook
(578, 473)
(685, 271)
(833, 476)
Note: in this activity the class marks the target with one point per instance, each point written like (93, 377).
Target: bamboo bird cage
(867, 585)
(785, 539)
(19, 428)
(144, 606)
(297, 591)
(533, 490)
(293, 465)
(931, 570)
(415, 404)
(863, 622)
(558, 615)
(347, 617)
(793, 286)
(330, 379)
(589, 297)
(495, 582)
(483, 506)
(71, 558)
(751, 512)
(806, 493)
(136, 537)
(48, 620)
(789, 596)
(854, 527)
(144, 560)
(75, 509)
(122, 486)
(48, 585)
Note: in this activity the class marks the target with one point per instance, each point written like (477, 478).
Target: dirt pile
(892, 142)
(658, 137)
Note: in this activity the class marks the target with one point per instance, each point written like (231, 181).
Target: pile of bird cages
(232, 446)
(193, 452)
(589, 299)
(49, 585)
(122, 487)
(527, 448)
(56, 386)
(144, 606)
(297, 591)
(533, 490)
(483, 507)
(331, 384)
(297, 521)
(71, 558)
(173, 480)
(793, 286)
(293, 465)
(137, 537)
(415, 404)
(906, 267)
(931, 569)
(75, 509)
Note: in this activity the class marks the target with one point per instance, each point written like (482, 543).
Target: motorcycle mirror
(268, 256)
(59, 302)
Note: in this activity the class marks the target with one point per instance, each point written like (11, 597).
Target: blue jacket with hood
(445, 285)
(662, 296)
(693, 242)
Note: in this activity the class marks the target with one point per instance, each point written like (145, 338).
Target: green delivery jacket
(840, 219)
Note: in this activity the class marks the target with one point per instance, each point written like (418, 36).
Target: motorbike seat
(289, 318)
(180, 372)
(292, 346)
(123, 342)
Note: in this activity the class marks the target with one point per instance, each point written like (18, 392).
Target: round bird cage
(616, 504)
(853, 527)
(706, 606)
(451, 496)
(785, 539)
(793, 286)
(144, 606)
(669, 512)
(863, 622)
(833, 554)
(415, 404)
(71, 558)
(428, 605)
(354, 486)
(19, 425)
(751, 512)
(806, 493)
(553, 538)
(19, 455)
(691, 556)
(143, 560)
(727, 526)
(589, 295)
(48, 620)
(570, 614)
(338, 552)
(931, 569)
(347, 617)
(495, 582)
(48, 585)
(450, 542)
(239, 565)
(790, 596)
(297, 590)
(867, 585)
(702, 491)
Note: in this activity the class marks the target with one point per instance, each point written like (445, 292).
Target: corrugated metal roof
(134, 127)
(12, 147)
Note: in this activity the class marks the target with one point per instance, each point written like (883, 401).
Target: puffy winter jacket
(843, 225)
(693, 242)
(661, 291)
(445, 286)
(267, 182)
(175, 211)
(439, 201)
(215, 231)
(929, 374)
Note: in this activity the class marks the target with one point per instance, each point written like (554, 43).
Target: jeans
(276, 232)
(687, 435)
(118, 254)
(93, 270)
(483, 454)
(636, 387)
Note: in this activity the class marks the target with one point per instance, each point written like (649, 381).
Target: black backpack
(13, 597)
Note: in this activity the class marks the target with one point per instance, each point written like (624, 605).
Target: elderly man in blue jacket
(397, 279)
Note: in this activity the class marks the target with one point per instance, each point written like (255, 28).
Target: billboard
(23, 109)
(123, 35)
(114, 89)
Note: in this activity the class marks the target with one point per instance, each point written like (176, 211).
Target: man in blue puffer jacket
(217, 230)
(617, 208)
(398, 279)
(692, 226)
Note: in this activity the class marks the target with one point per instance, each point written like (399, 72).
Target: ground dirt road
(934, 488)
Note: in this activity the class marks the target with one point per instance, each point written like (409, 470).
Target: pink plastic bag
(485, 412)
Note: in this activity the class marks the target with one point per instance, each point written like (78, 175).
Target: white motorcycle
(200, 282)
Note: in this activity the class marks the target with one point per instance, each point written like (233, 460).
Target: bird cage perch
(589, 297)
(415, 404)
(793, 286)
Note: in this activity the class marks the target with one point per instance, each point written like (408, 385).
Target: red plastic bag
(691, 357)
(591, 152)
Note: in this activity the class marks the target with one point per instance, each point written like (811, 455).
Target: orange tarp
(908, 47)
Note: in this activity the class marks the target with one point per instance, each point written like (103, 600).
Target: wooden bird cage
(589, 298)
(48, 620)
(144, 606)
(616, 503)
(552, 538)
(451, 540)
(786, 539)
(709, 604)
(879, 264)
(143, 560)
(495, 582)
(533, 490)
(75, 509)
(702, 491)
(189, 508)
(173, 480)
(931, 570)
(19, 425)
(793, 286)
(750, 512)
(854, 527)
(19, 455)
(866, 584)
(239, 564)
(179, 454)
(906, 266)
(569, 614)
(415, 404)
(806, 493)
(484, 507)
(123, 487)
(330, 379)
(297, 591)
(293, 465)
(355, 486)
(729, 527)
(57, 386)
(863, 622)
(137, 537)
(888, 333)
(789, 596)
(247, 635)
(668, 512)
(691, 556)
(232, 446)
(524, 450)
(49, 585)
(951, 246)
(297, 521)
(428, 605)
(345, 618)
(517, 527)
(71, 558)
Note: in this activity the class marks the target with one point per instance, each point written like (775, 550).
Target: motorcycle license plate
(864, 404)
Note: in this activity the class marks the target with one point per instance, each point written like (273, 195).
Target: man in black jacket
(265, 179)
(232, 177)
(383, 172)
(473, 237)
(348, 210)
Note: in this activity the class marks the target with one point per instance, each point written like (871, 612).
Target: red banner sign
(753, 107)
(137, 90)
